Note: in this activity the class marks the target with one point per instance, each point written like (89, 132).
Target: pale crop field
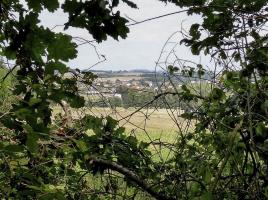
(155, 126)
(154, 121)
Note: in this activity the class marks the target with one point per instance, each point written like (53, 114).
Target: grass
(148, 125)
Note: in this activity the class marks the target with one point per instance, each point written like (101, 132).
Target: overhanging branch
(132, 176)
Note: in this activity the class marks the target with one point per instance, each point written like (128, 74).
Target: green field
(155, 126)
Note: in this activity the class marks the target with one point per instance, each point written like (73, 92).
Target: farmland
(154, 126)
(156, 122)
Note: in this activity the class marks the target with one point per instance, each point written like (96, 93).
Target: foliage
(230, 133)
(6, 97)
(32, 162)
(224, 157)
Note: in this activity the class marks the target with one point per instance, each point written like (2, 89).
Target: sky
(142, 47)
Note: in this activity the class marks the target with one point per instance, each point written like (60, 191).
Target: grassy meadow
(155, 126)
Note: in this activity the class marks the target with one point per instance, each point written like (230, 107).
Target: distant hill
(151, 75)
(123, 71)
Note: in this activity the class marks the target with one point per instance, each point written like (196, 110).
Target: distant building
(92, 92)
(118, 95)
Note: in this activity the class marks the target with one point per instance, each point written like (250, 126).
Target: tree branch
(132, 176)
(160, 16)
(154, 99)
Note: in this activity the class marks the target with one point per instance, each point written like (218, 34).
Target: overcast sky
(143, 45)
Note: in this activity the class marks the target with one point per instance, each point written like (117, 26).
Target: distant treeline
(134, 98)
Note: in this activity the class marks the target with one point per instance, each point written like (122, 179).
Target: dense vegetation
(147, 98)
(224, 157)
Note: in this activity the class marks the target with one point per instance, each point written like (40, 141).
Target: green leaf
(34, 187)
(206, 196)
(144, 145)
(14, 148)
(34, 101)
(223, 55)
(92, 122)
(97, 17)
(36, 5)
(31, 142)
(266, 191)
(77, 102)
(53, 67)
(261, 129)
(62, 48)
(171, 69)
(195, 48)
(217, 94)
(132, 140)
(194, 31)
(265, 145)
(130, 3)
(81, 145)
(51, 5)
(115, 3)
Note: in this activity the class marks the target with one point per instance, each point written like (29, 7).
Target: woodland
(221, 148)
